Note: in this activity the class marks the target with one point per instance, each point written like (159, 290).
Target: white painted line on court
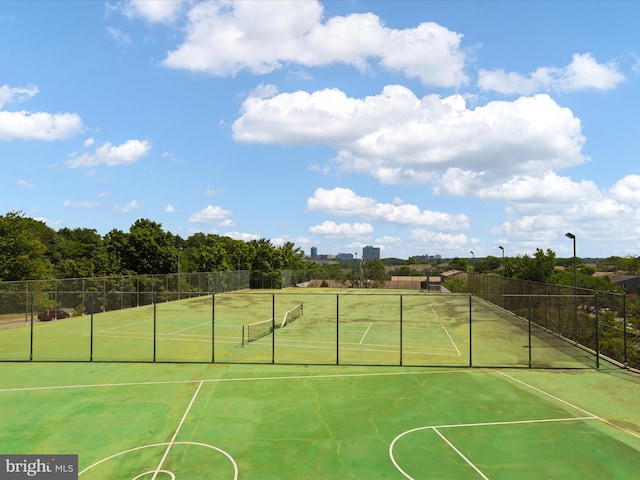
(237, 379)
(451, 339)
(136, 449)
(461, 454)
(173, 439)
(570, 404)
(437, 428)
(434, 310)
(121, 326)
(365, 333)
(189, 328)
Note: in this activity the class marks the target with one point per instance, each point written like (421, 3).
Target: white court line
(204, 339)
(343, 348)
(238, 379)
(452, 342)
(365, 333)
(434, 310)
(189, 328)
(120, 326)
(143, 447)
(570, 405)
(461, 454)
(173, 439)
(436, 429)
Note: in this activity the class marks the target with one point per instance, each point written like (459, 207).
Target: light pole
(575, 280)
(575, 269)
(502, 248)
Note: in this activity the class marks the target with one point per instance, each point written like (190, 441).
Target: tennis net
(254, 331)
(292, 315)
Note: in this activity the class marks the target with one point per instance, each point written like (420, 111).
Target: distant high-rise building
(314, 253)
(371, 253)
(345, 256)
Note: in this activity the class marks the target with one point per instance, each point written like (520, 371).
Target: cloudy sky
(418, 127)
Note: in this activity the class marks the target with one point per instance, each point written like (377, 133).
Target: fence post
(91, 329)
(470, 333)
(31, 333)
(213, 332)
(400, 330)
(337, 329)
(273, 328)
(624, 329)
(529, 317)
(597, 331)
(155, 327)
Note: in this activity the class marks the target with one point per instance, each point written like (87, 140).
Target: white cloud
(111, 155)
(153, 11)
(245, 237)
(81, 204)
(119, 36)
(345, 202)
(25, 125)
(210, 214)
(548, 188)
(345, 230)
(584, 72)
(438, 241)
(169, 208)
(129, 207)
(16, 94)
(25, 184)
(224, 38)
(227, 223)
(627, 189)
(397, 137)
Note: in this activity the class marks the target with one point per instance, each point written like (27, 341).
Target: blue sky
(435, 128)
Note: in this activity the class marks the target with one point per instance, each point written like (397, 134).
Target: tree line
(31, 250)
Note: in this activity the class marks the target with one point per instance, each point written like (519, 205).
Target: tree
(458, 263)
(116, 243)
(149, 249)
(487, 265)
(22, 254)
(82, 254)
(374, 273)
(538, 268)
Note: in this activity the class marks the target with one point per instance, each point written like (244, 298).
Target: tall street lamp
(575, 270)
(575, 280)
(502, 248)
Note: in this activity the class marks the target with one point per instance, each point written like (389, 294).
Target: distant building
(424, 258)
(345, 256)
(371, 253)
(314, 253)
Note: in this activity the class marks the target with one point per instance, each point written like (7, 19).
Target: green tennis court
(361, 386)
(319, 326)
(128, 421)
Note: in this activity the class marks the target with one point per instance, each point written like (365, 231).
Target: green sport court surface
(179, 421)
(341, 327)
(264, 420)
